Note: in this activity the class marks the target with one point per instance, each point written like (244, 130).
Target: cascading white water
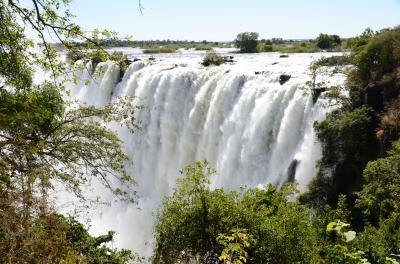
(249, 126)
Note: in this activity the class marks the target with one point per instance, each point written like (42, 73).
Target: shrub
(162, 49)
(334, 61)
(380, 56)
(204, 47)
(325, 41)
(247, 42)
(379, 197)
(264, 47)
(262, 225)
(212, 58)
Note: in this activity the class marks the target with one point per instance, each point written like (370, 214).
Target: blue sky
(222, 20)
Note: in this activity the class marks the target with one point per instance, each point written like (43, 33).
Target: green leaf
(349, 236)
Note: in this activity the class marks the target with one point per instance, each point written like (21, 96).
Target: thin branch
(141, 8)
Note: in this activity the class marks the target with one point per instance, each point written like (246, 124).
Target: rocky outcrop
(316, 92)
(228, 59)
(284, 78)
(292, 171)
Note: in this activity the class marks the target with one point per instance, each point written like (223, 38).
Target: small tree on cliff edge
(247, 42)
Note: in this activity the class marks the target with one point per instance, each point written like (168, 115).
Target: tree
(247, 42)
(325, 41)
(379, 197)
(260, 225)
(45, 140)
(59, 239)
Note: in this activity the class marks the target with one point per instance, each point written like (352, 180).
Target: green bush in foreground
(264, 227)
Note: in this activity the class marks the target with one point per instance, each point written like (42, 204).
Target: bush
(212, 58)
(204, 47)
(379, 56)
(297, 47)
(264, 47)
(195, 221)
(247, 42)
(379, 197)
(325, 41)
(53, 238)
(346, 139)
(334, 61)
(163, 49)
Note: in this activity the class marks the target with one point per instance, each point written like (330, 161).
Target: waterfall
(251, 128)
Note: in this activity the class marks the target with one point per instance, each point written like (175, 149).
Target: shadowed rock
(284, 78)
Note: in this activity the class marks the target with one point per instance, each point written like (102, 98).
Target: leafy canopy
(247, 42)
(253, 225)
(46, 141)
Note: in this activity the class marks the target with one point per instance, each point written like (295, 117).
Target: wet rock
(284, 56)
(228, 59)
(316, 92)
(292, 170)
(284, 78)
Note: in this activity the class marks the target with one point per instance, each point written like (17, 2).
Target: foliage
(195, 218)
(379, 56)
(46, 141)
(296, 47)
(335, 61)
(348, 134)
(355, 163)
(204, 47)
(235, 245)
(160, 49)
(345, 139)
(341, 251)
(212, 58)
(325, 41)
(389, 125)
(380, 196)
(379, 243)
(264, 47)
(54, 238)
(247, 42)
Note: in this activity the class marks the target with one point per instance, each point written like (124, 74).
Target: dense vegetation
(47, 146)
(247, 42)
(360, 143)
(257, 225)
(212, 58)
(351, 213)
(325, 41)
